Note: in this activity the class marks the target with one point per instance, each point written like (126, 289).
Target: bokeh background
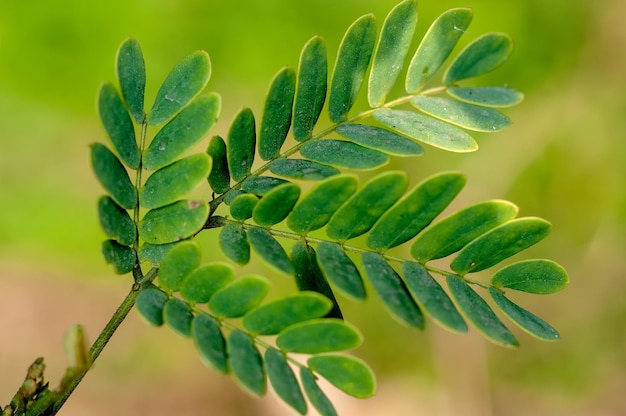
(563, 159)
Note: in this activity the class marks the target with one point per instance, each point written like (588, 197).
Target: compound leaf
(436, 46)
(316, 396)
(178, 316)
(260, 185)
(238, 297)
(113, 176)
(302, 169)
(242, 206)
(532, 276)
(234, 243)
(431, 297)
(353, 59)
(415, 211)
(283, 380)
(339, 269)
(131, 73)
(527, 321)
(121, 257)
(391, 49)
(150, 303)
(482, 55)
(246, 362)
(452, 233)
(348, 374)
(427, 130)
(487, 96)
(315, 208)
(379, 139)
(479, 313)
(241, 144)
(219, 178)
(183, 132)
(277, 114)
(202, 283)
(168, 184)
(363, 209)
(173, 222)
(177, 264)
(269, 249)
(276, 205)
(392, 290)
(116, 222)
(343, 154)
(118, 125)
(182, 84)
(468, 116)
(210, 342)
(500, 243)
(318, 336)
(311, 88)
(273, 317)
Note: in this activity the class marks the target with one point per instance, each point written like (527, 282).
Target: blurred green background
(564, 159)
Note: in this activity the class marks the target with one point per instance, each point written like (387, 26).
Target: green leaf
(177, 264)
(277, 114)
(178, 316)
(363, 209)
(242, 206)
(527, 321)
(118, 125)
(452, 233)
(219, 178)
(316, 396)
(315, 208)
(431, 297)
(427, 130)
(260, 185)
(113, 176)
(182, 84)
(234, 243)
(116, 222)
(391, 49)
(343, 154)
(436, 46)
(500, 243)
(392, 290)
(202, 283)
(150, 303)
(131, 73)
(311, 88)
(246, 362)
(173, 222)
(183, 132)
(168, 184)
(269, 249)
(487, 96)
(275, 316)
(415, 210)
(479, 313)
(468, 116)
(238, 297)
(210, 342)
(121, 257)
(283, 380)
(484, 54)
(380, 139)
(348, 374)
(241, 144)
(318, 336)
(276, 205)
(533, 276)
(302, 169)
(309, 276)
(154, 253)
(353, 59)
(339, 269)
